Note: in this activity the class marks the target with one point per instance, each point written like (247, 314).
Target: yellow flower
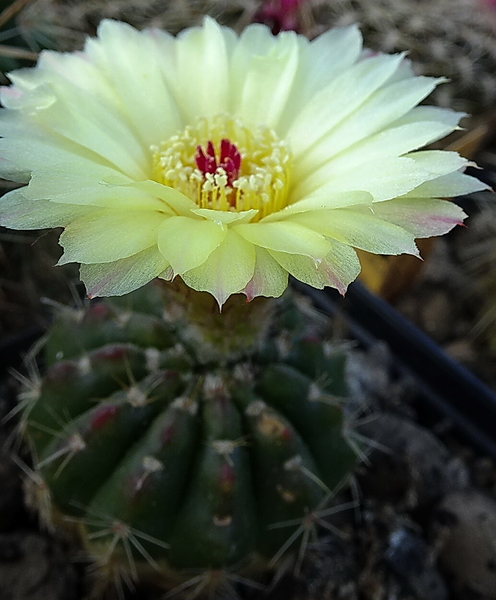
(229, 161)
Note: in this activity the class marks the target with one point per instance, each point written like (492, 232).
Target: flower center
(229, 160)
(222, 165)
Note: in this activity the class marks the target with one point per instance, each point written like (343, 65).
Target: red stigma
(229, 159)
(102, 416)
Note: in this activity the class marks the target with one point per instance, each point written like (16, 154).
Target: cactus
(166, 463)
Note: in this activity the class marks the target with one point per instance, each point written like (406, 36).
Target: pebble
(409, 558)
(436, 316)
(34, 567)
(329, 572)
(12, 510)
(409, 461)
(463, 351)
(468, 551)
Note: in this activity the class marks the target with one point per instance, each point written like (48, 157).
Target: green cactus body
(169, 465)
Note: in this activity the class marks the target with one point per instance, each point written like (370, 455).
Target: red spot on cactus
(61, 373)
(167, 435)
(115, 353)
(170, 375)
(98, 311)
(286, 434)
(102, 416)
(226, 478)
(311, 339)
(223, 404)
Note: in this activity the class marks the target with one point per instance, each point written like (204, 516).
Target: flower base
(238, 329)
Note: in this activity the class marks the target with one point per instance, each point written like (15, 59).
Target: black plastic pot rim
(445, 387)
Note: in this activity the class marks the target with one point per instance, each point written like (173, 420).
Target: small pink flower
(279, 15)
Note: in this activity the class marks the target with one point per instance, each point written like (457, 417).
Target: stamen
(222, 165)
(226, 169)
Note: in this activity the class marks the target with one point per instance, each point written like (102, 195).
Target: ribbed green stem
(217, 335)
(169, 467)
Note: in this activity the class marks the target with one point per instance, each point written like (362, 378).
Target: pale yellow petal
(226, 217)
(14, 98)
(384, 179)
(226, 271)
(380, 110)
(269, 278)
(324, 202)
(338, 269)
(285, 236)
(203, 72)
(86, 183)
(109, 235)
(421, 217)
(321, 60)
(75, 68)
(448, 186)
(177, 202)
(130, 60)
(392, 142)
(26, 148)
(19, 212)
(122, 276)
(345, 94)
(164, 45)
(263, 69)
(438, 162)
(433, 114)
(404, 71)
(83, 119)
(361, 228)
(187, 243)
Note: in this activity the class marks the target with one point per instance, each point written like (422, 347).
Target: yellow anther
(261, 182)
